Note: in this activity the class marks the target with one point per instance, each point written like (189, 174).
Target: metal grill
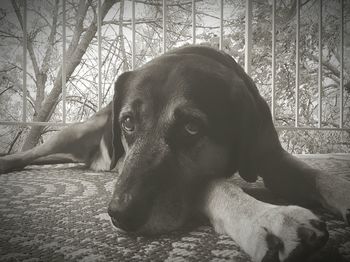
(247, 65)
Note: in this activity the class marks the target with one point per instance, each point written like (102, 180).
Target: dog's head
(185, 118)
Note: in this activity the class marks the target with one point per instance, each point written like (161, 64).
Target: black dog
(177, 128)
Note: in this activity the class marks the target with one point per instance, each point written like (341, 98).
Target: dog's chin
(117, 225)
(159, 224)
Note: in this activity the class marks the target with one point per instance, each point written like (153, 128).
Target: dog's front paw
(286, 233)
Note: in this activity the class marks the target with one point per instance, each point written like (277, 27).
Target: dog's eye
(192, 128)
(128, 124)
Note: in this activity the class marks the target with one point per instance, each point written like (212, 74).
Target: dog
(177, 129)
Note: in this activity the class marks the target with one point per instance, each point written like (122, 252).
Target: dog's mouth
(116, 223)
(128, 221)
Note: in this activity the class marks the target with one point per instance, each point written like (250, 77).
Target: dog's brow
(191, 112)
(134, 107)
(125, 110)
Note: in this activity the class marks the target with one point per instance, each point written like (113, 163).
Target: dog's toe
(312, 237)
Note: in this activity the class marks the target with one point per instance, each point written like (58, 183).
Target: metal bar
(99, 54)
(14, 123)
(133, 43)
(320, 65)
(297, 63)
(248, 36)
(193, 21)
(24, 87)
(221, 40)
(164, 25)
(311, 128)
(273, 60)
(64, 93)
(341, 84)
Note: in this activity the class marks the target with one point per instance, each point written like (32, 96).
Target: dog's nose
(119, 205)
(123, 215)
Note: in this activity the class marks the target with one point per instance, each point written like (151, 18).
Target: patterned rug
(58, 213)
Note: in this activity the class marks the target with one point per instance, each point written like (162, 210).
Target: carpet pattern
(58, 213)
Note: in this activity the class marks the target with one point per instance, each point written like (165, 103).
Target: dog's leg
(266, 232)
(78, 142)
(55, 159)
(293, 179)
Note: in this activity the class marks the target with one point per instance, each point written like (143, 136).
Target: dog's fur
(177, 129)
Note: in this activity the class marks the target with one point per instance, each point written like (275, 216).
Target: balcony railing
(248, 55)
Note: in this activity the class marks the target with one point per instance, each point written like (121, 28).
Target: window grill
(247, 60)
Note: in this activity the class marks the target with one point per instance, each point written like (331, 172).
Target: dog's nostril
(119, 206)
(116, 209)
(112, 209)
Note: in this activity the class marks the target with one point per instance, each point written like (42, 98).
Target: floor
(58, 213)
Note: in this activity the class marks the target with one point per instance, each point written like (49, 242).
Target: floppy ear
(248, 126)
(117, 146)
(252, 113)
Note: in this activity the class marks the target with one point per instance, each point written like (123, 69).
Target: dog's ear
(249, 112)
(248, 123)
(119, 90)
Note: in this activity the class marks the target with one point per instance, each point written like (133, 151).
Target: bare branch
(78, 29)
(6, 89)
(29, 42)
(14, 141)
(50, 43)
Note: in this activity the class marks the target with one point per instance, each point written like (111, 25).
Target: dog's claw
(347, 216)
(275, 245)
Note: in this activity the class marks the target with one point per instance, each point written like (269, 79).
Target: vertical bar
(193, 21)
(248, 36)
(99, 54)
(341, 84)
(64, 61)
(24, 101)
(320, 65)
(273, 60)
(221, 40)
(297, 63)
(164, 26)
(133, 43)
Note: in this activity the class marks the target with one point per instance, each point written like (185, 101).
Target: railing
(247, 66)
